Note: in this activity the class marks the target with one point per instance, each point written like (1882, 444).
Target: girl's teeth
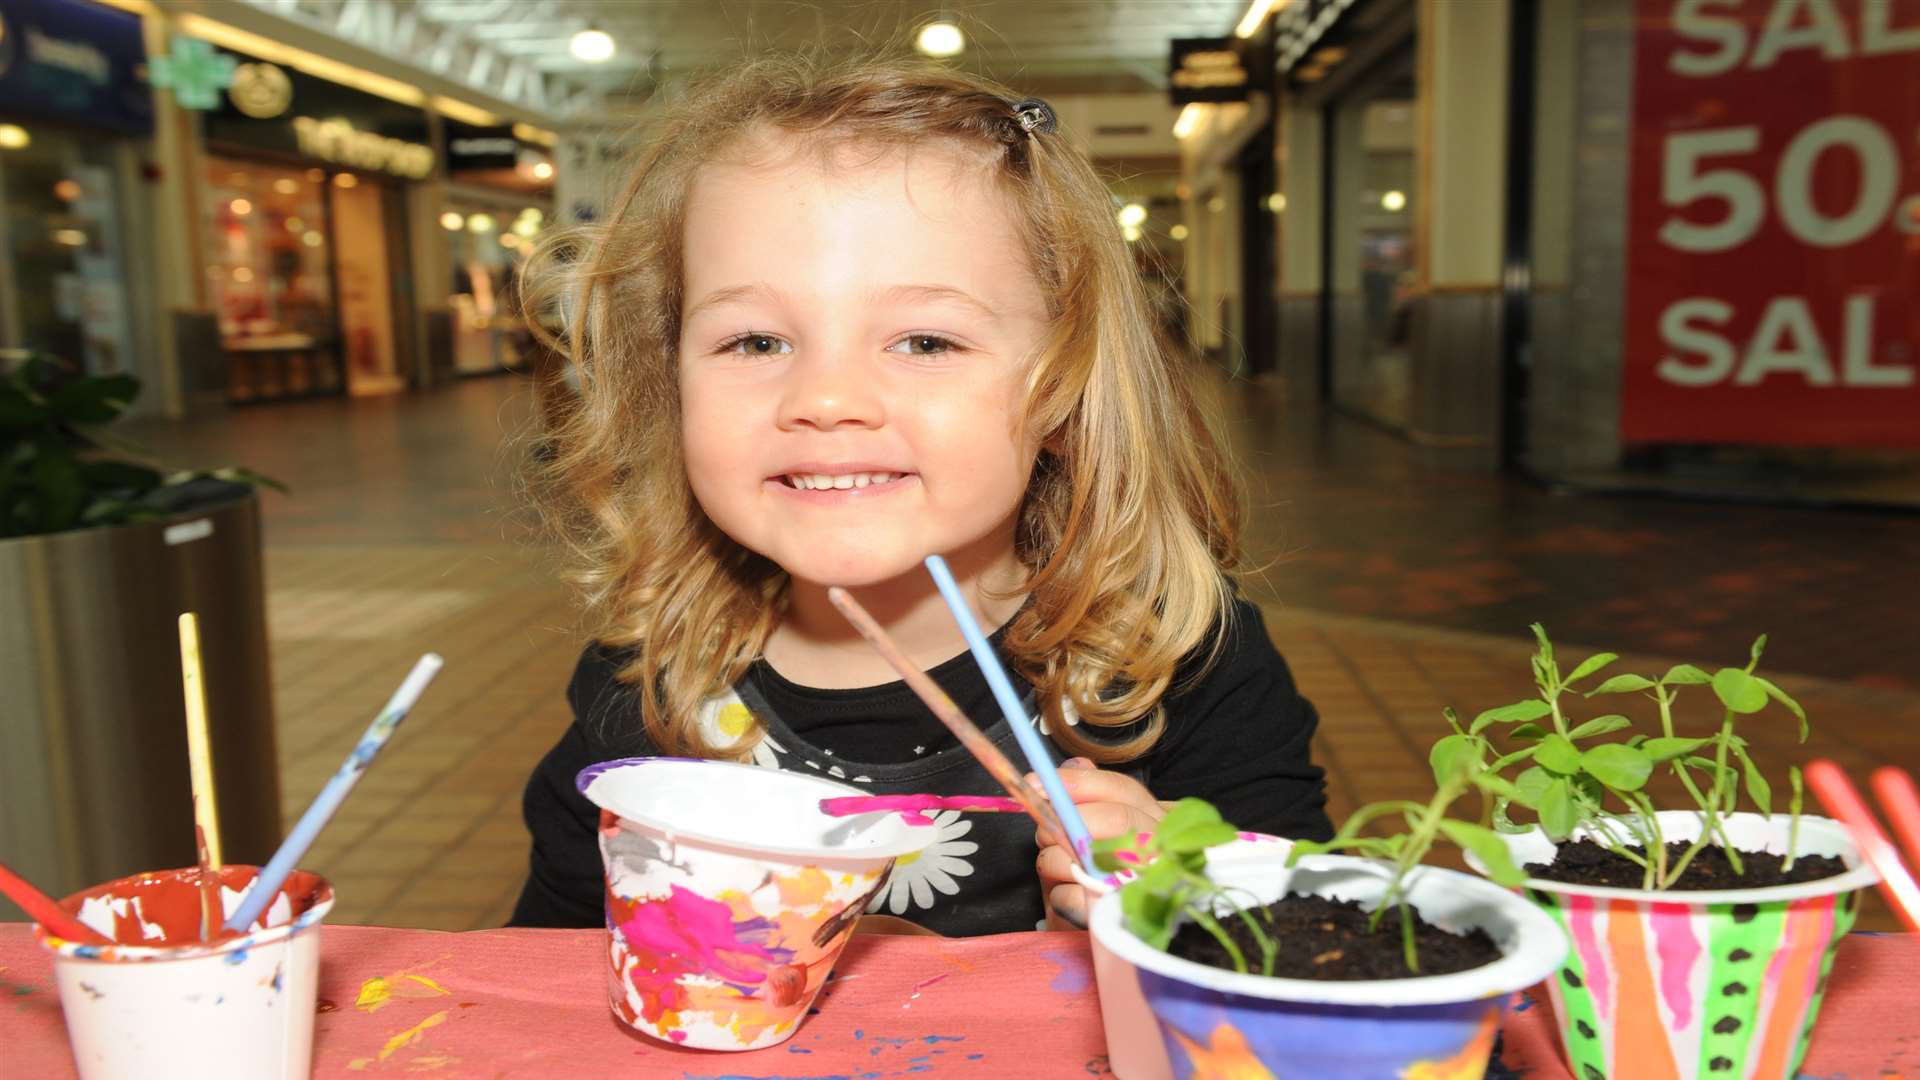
(819, 482)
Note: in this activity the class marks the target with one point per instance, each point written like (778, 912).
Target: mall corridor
(1393, 589)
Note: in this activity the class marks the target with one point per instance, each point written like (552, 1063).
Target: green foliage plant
(1172, 885)
(1591, 775)
(55, 473)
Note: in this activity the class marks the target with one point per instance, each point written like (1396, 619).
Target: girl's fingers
(1055, 866)
(1090, 785)
(1104, 820)
(1067, 904)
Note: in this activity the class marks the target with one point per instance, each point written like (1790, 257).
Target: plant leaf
(1685, 675)
(1530, 709)
(1192, 825)
(93, 400)
(1558, 754)
(1451, 755)
(1600, 725)
(1622, 684)
(1793, 706)
(1558, 815)
(1758, 789)
(1590, 665)
(1663, 749)
(1531, 786)
(1546, 647)
(1739, 691)
(1488, 846)
(1528, 731)
(1619, 767)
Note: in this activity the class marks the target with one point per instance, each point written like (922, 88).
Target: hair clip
(1035, 116)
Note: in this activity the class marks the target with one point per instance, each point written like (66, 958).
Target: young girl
(840, 320)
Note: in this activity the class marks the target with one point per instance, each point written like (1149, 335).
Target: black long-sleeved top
(1238, 736)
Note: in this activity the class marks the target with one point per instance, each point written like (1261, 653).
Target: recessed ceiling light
(592, 45)
(941, 39)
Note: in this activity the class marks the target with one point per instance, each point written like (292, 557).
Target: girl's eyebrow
(898, 294)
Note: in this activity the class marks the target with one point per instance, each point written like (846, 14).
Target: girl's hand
(1112, 805)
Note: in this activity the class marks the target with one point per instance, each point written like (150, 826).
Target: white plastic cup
(730, 894)
(161, 1002)
(1135, 1050)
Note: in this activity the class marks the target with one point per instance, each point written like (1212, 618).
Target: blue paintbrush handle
(1023, 728)
(321, 811)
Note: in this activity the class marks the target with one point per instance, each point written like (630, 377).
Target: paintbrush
(988, 755)
(46, 911)
(206, 816)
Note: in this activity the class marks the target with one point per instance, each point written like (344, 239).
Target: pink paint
(1809, 923)
(913, 808)
(1679, 950)
(688, 934)
(1581, 919)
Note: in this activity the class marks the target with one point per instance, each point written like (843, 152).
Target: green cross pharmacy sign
(194, 72)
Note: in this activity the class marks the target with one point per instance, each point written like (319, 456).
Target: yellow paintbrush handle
(206, 817)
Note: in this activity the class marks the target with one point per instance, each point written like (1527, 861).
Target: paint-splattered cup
(730, 894)
(1434, 1027)
(162, 1001)
(1685, 985)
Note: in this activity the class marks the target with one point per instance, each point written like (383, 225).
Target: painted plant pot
(1713, 985)
(730, 894)
(1218, 1024)
(160, 994)
(1134, 1048)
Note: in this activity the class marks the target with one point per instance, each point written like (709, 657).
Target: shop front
(498, 202)
(74, 117)
(304, 218)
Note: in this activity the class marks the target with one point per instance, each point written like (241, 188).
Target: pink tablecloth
(532, 1003)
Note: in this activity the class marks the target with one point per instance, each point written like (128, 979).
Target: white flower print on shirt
(725, 721)
(916, 877)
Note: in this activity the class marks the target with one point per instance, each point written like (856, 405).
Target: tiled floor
(403, 535)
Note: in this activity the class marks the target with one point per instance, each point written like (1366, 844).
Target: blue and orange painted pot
(1708, 985)
(1220, 1024)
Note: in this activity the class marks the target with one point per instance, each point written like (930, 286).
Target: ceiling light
(240, 207)
(542, 170)
(312, 239)
(346, 180)
(509, 240)
(295, 225)
(1394, 200)
(941, 39)
(1178, 232)
(1216, 204)
(1276, 202)
(1131, 232)
(70, 237)
(452, 222)
(14, 137)
(592, 45)
(1132, 215)
(67, 190)
(243, 274)
(1250, 22)
(287, 186)
(480, 223)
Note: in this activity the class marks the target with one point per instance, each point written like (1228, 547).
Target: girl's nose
(829, 392)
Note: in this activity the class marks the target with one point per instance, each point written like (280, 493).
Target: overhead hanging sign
(1207, 70)
(1774, 224)
(74, 60)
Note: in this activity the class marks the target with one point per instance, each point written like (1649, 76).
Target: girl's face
(852, 349)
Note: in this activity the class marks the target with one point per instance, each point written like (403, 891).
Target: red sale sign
(1773, 266)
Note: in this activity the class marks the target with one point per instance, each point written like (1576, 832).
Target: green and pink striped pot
(1720, 985)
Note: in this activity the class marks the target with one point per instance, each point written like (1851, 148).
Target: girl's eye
(756, 345)
(924, 345)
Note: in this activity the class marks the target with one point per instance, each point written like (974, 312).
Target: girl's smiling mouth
(842, 478)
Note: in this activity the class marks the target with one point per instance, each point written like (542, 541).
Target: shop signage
(75, 60)
(1206, 70)
(473, 149)
(343, 144)
(290, 112)
(1774, 224)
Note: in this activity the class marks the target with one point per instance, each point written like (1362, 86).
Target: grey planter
(93, 747)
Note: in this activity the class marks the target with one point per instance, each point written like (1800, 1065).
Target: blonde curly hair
(1131, 521)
